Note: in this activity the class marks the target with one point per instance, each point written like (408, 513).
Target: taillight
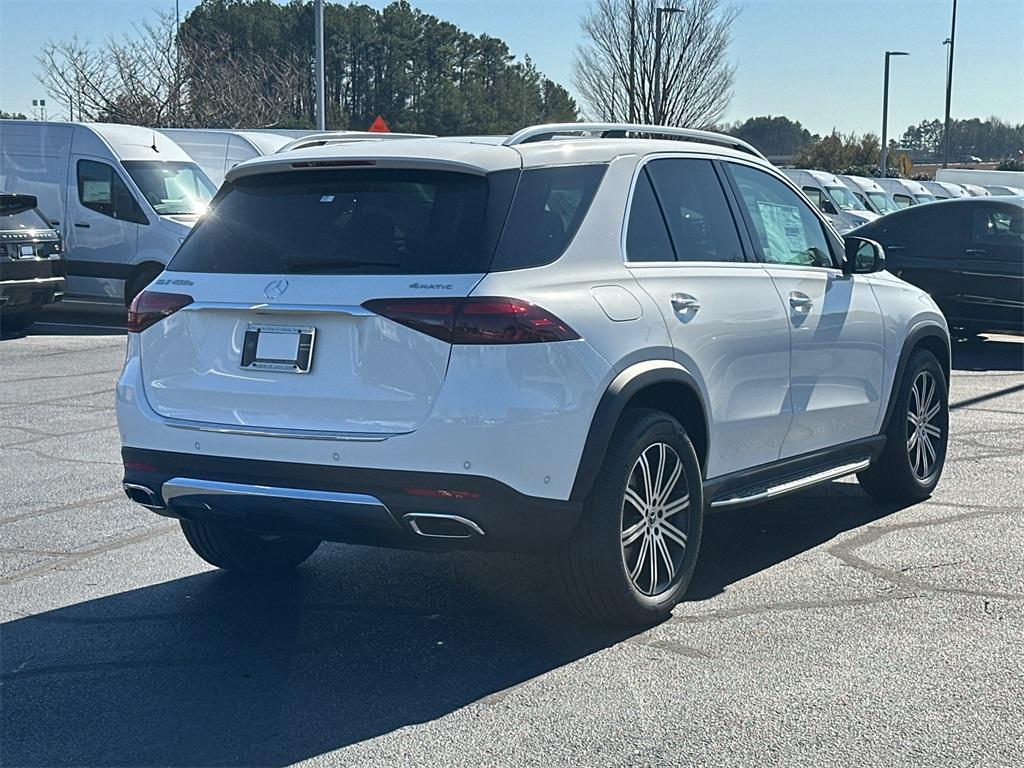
(151, 307)
(475, 320)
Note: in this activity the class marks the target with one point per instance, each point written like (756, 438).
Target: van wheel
(909, 467)
(236, 549)
(19, 321)
(135, 284)
(633, 553)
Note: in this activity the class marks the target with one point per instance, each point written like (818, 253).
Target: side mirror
(827, 207)
(863, 256)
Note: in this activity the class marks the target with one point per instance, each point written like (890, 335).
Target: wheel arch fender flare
(623, 388)
(934, 337)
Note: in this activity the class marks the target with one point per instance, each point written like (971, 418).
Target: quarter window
(785, 228)
(100, 189)
(646, 234)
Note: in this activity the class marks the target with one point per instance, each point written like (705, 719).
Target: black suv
(968, 253)
(31, 261)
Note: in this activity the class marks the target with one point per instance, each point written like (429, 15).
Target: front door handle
(81, 225)
(684, 302)
(801, 302)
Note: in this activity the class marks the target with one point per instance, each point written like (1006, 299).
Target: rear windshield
(385, 221)
(14, 218)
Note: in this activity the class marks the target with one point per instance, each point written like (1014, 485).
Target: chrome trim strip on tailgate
(186, 486)
(352, 310)
(793, 485)
(298, 434)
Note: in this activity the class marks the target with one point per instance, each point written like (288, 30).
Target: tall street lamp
(949, 88)
(885, 110)
(657, 58)
(318, 22)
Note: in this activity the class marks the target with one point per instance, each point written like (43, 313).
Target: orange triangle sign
(379, 126)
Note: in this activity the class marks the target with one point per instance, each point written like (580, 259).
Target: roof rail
(346, 137)
(627, 130)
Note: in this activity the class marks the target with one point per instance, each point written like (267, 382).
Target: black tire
(135, 284)
(20, 320)
(590, 570)
(236, 549)
(893, 476)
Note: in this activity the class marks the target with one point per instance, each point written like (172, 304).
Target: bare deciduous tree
(153, 78)
(696, 76)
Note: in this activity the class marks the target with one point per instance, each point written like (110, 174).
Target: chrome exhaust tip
(433, 525)
(140, 494)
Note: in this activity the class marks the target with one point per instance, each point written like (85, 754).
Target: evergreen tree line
(420, 73)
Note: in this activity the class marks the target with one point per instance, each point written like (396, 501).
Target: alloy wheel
(655, 518)
(924, 431)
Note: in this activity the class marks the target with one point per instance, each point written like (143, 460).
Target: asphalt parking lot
(822, 629)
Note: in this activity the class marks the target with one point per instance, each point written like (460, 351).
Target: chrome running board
(754, 495)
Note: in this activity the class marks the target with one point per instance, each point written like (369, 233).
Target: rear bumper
(30, 292)
(355, 505)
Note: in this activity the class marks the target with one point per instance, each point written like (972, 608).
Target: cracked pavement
(820, 629)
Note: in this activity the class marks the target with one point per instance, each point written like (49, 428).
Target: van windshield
(845, 199)
(172, 188)
(883, 202)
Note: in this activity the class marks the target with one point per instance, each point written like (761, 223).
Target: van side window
(814, 195)
(785, 228)
(903, 201)
(646, 233)
(696, 210)
(100, 189)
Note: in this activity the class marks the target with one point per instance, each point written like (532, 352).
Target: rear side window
(351, 221)
(696, 210)
(549, 205)
(998, 225)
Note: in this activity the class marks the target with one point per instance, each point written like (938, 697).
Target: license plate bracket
(283, 348)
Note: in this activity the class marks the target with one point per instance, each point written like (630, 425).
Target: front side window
(814, 195)
(883, 202)
(998, 226)
(100, 189)
(785, 229)
(172, 188)
(903, 201)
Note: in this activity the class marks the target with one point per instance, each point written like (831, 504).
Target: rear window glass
(15, 218)
(351, 221)
(549, 206)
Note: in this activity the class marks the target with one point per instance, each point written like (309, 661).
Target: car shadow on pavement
(218, 668)
(988, 353)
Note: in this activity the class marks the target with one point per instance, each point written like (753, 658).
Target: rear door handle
(895, 248)
(976, 251)
(683, 302)
(82, 224)
(801, 302)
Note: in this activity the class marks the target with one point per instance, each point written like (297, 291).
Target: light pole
(632, 61)
(318, 12)
(885, 110)
(949, 89)
(657, 58)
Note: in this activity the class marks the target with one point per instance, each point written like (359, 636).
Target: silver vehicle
(906, 192)
(833, 198)
(870, 194)
(976, 190)
(945, 190)
(1003, 191)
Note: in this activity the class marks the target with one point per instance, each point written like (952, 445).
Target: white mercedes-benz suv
(575, 341)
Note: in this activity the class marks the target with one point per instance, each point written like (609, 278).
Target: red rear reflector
(476, 320)
(151, 307)
(440, 493)
(139, 466)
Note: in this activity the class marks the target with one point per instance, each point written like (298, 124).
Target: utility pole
(658, 32)
(632, 61)
(177, 63)
(318, 12)
(885, 111)
(949, 89)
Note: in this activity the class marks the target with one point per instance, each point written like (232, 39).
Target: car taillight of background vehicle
(477, 320)
(151, 307)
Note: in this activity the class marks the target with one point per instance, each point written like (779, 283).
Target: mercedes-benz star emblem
(275, 288)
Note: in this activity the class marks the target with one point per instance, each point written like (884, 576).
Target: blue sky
(817, 61)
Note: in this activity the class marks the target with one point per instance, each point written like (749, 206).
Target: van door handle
(684, 302)
(82, 224)
(801, 302)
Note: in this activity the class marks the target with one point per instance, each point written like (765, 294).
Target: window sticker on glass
(95, 191)
(783, 227)
(326, 198)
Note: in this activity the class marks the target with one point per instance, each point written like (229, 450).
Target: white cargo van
(945, 190)
(832, 197)
(218, 151)
(906, 192)
(870, 194)
(123, 197)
